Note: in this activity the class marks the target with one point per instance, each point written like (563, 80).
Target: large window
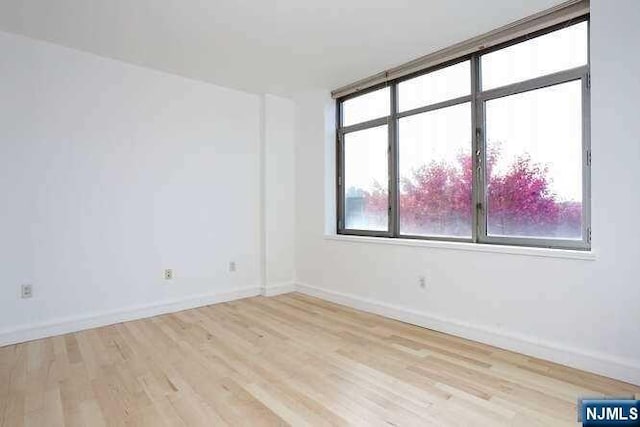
(491, 148)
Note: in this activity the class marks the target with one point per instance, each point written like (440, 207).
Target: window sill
(471, 247)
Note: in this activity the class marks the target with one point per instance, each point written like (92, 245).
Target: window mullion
(340, 180)
(586, 163)
(394, 214)
(478, 155)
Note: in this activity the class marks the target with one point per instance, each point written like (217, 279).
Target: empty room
(306, 213)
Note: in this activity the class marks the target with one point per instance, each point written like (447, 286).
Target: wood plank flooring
(290, 359)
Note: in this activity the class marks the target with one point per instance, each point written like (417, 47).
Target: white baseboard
(600, 363)
(604, 364)
(278, 289)
(79, 323)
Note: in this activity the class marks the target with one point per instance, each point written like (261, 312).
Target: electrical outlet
(26, 291)
(422, 282)
(232, 266)
(168, 274)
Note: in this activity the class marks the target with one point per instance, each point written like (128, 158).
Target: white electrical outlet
(422, 282)
(168, 274)
(26, 291)
(232, 266)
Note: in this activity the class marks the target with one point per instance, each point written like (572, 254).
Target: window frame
(477, 98)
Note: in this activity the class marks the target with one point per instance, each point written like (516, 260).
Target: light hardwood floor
(290, 359)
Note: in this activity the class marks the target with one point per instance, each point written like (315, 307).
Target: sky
(546, 123)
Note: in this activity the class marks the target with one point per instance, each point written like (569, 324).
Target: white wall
(110, 173)
(579, 312)
(279, 127)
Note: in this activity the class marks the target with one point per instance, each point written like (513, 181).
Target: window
(534, 169)
(435, 178)
(491, 148)
(546, 54)
(366, 107)
(366, 198)
(437, 86)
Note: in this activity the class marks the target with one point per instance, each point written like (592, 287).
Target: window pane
(369, 106)
(366, 179)
(534, 163)
(550, 53)
(441, 85)
(436, 172)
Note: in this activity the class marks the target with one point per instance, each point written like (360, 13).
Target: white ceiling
(277, 46)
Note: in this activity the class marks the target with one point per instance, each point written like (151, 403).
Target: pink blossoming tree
(436, 200)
